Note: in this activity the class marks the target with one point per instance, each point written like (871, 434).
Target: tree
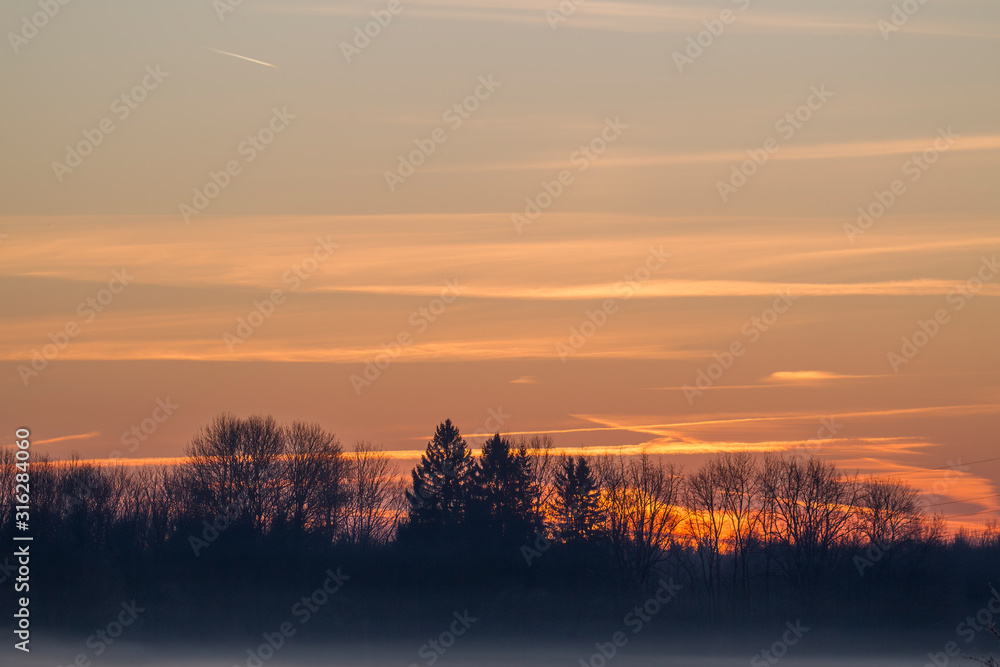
(815, 506)
(889, 512)
(234, 469)
(706, 520)
(739, 486)
(543, 468)
(313, 476)
(441, 481)
(641, 512)
(578, 501)
(373, 498)
(505, 491)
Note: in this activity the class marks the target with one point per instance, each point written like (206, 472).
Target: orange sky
(635, 309)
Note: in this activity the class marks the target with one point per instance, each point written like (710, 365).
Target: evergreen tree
(578, 500)
(442, 481)
(506, 491)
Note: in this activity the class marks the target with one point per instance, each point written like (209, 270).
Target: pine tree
(578, 500)
(442, 480)
(506, 491)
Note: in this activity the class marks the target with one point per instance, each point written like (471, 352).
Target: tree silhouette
(314, 479)
(506, 491)
(441, 481)
(210, 538)
(373, 497)
(578, 500)
(641, 500)
(234, 468)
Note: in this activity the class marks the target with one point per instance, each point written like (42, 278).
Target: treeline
(538, 541)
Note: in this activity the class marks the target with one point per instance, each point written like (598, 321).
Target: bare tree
(815, 506)
(235, 468)
(889, 512)
(7, 471)
(642, 511)
(375, 500)
(543, 469)
(706, 522)
(314, 479)
(739, 484)
(768, 519)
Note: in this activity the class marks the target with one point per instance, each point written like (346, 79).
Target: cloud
(236, 55)
(837, 150)
(659, 289)
(64, 438)
(807, 376)
(628, 17)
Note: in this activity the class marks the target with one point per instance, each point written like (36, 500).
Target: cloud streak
(236, 55)
(835, 150)
(627, 17)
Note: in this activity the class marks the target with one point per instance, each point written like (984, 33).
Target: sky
(678, 228)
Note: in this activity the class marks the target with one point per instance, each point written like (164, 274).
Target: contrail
(236, 55)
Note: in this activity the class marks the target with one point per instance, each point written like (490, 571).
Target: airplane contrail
(236, 55)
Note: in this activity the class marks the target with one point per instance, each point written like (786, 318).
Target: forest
(260, 513)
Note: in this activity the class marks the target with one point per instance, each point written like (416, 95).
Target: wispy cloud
(807, 376)
(838, 150)
(680, 288)
(630, 17)
(65, 438)
(236, 55)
